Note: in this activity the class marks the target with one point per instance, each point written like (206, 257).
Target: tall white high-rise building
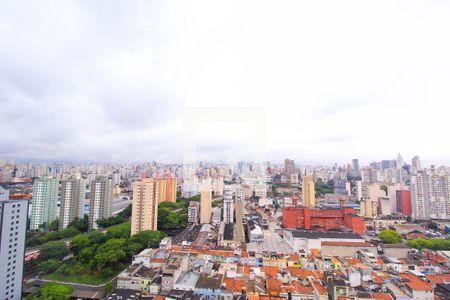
(430, 197)
(416, 165)
(44, 203)
(73, 192)
(228, 205)
(100, 201)
(13, 226)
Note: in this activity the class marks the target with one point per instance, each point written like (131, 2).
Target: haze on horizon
(114, 81)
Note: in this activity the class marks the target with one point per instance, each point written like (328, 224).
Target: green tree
(390, 237)
(408, 219)
(87, 254)
(82, 225)
(133, 248)
(53, 250)
(55, 291)
(54, 225)
(111, 252)
(48, 266)
(434, 244)
(79, 242)
(109, 288)
(96, 237)
(119, 231)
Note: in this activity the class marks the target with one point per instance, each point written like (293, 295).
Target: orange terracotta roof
(334, 260)
(299, 288)
(275, 287)
(436, 257)
(382, 296)
(353, 261)
(302, 273)
(293, 257)
(415, 283)
(435, 279)
(320, 288)
(377, 279)
(158, 260)
(159, 297)
(232, 284)
(316, 252)
(270, 270)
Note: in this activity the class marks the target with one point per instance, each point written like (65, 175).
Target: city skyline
(335, 81)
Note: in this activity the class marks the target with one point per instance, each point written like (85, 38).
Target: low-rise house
(415, 234)
(209, 286)
(417, 288)
(187, 281)
(138, 278)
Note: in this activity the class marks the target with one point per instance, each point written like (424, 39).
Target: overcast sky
(330, 80)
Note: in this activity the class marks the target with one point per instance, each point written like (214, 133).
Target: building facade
(44, 203)
(100, 200)
(430, 195)
(167, 189)
(308, 191)
(205, 202)
(403, 199)
(73, 192)
(311, 218)
(228, 205)
(13, 226)
(193, 212)
(144, 214)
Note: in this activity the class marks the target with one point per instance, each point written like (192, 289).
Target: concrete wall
(345, 250)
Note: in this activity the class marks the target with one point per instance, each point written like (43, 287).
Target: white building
(73, 192)
(44, 203)
(193, 212)
(228, 205)
(13, 225)
(430, 195)
(312, 239)
(100, 202)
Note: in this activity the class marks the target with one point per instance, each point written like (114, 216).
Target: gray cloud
(109, 81)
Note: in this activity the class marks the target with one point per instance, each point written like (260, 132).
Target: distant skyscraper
(400, 161)
(100, 201)
(308, 191)
(416, 165)
(44, 203)
(228, 205)
(355, 167)
(289, 167)
(388, 164)
(340, 187)
(144, 214)
(205, 202)
(13, 226)
(72, 200)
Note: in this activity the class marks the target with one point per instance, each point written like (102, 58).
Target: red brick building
(403, 199)
(310, 218)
